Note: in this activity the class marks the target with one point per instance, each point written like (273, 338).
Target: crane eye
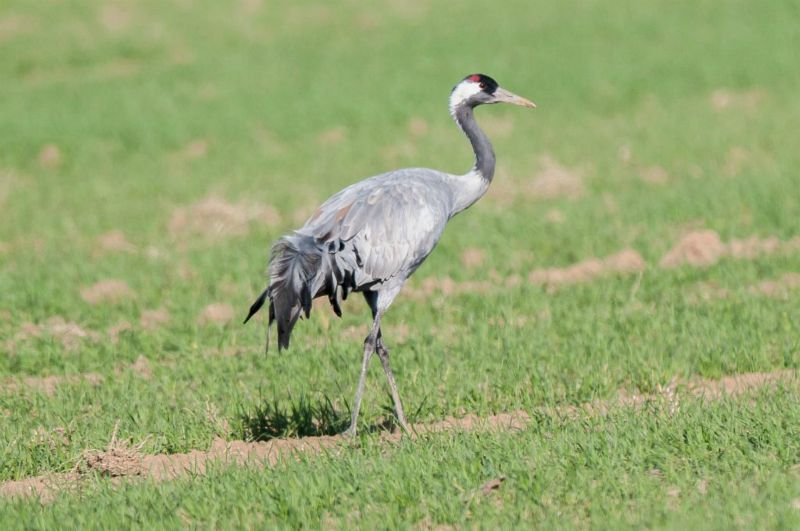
(482, 85)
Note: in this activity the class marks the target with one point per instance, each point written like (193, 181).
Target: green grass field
(151, 152)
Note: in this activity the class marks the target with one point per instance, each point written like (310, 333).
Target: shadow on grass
(302, 418)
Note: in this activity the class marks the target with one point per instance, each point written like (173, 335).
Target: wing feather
(390, 222)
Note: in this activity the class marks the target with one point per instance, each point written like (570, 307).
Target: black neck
(484, 155)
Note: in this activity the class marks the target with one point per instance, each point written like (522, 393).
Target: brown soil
(779, 287)
(704, 248)
(625, 261)
(154, 319)
(219, 313)
(48, 384)
(701, 248)
(107, 291)
(215, 218)
(142, 367)
(120, 459)
(555, 180)
(446, 286)
(117, 330)
(113, 242)
(68, 333)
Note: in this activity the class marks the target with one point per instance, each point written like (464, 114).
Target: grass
(287, 103)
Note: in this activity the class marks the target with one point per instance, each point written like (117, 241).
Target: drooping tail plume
(295, 277)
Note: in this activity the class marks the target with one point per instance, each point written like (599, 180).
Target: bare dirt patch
(446, 286)
(124, 460)
(154, 319)
(107, 291)
(48, 384)
(780, 287)
(113, 242)
(219, 313)
(142, 367)
(738, 384)
(115, 331)
(215, 218)
(624, 262)
(700, 248)
(554, 180)
(69, 334)
(703, 248)
(118, 459)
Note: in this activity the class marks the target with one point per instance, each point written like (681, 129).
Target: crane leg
(369, 348)
(383, 354)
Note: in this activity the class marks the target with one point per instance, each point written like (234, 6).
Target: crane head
(479, 89)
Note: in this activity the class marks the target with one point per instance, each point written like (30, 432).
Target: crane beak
(501, 95)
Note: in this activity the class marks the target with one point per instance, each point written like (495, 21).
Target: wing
(391, 221)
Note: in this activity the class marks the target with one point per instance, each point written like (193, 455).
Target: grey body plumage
(372, 236)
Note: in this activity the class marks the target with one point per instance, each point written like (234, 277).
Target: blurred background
(151, 151)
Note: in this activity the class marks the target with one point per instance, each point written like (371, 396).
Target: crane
(372, 236)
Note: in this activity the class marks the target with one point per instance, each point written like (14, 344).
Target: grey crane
(374, 234)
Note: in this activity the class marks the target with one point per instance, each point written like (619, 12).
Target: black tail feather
(300, 270)
(257, 305)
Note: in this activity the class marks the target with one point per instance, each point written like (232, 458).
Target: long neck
(484, 154)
